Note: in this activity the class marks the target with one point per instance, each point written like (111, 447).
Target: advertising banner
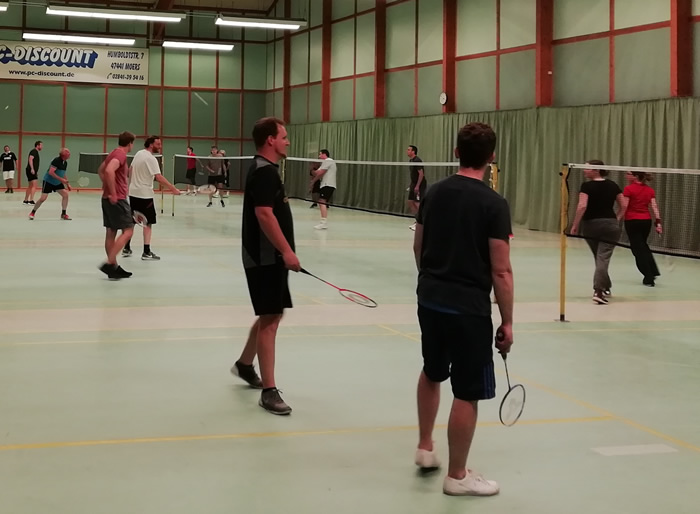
(25, 60)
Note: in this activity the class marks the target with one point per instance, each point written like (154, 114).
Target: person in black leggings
(639, 197)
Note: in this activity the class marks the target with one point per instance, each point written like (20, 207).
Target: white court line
(638, 449)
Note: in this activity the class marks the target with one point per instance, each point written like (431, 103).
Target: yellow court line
(259, 435)
(568, 331)
(590, 406)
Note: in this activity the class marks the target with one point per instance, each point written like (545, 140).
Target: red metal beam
(159, 28)
(326, 60)
(449, 54)
(287, 72)
(543, 53)
(380, 60)
(611, 55)
(681, 48)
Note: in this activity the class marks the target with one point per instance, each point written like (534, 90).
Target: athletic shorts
(216, 180)
(316, 188)
(117, 216)
(6, 175)
(327, 193)
(145, 206)
(190, 175)
(48, 188)
(31, 177)
(269, 289)
(459, 347)
(412, 191)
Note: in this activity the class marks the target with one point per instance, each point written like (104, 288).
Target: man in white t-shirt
(327, 175)
(144, 169)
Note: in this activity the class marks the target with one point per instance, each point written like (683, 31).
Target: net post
(494, 176)
(173, 206)
(564, 173)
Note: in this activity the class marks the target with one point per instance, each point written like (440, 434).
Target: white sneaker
(471, 485)
(412, 227)
(321, 226)
(427, 460)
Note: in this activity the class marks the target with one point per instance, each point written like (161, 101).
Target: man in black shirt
(32, 171)
(418, 183)
(462, 250)
(268, 255)
(9, 164)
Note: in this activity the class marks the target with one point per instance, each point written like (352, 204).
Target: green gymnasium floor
(116, 397)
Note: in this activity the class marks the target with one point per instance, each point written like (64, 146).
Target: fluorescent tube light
(197, 46)
(115, 14)
(262, 23)
(62, 38)
(4, 6)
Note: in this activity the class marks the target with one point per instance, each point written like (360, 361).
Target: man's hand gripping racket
(513, 402)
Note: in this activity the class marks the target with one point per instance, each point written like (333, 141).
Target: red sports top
(640, 196)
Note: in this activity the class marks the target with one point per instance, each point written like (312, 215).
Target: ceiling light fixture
(115, 14)
(4, 6)
(197, 46)
(62, 38)
(262, 23)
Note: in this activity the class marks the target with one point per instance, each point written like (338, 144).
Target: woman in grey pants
(599, 224)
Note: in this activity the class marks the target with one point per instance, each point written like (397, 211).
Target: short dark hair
(126, 138)
(598, 162)
(37, 143)
(150, 140)
(476, 143)
(642, 176)
(190, 149)
(414, 148)
(325, 152)
(264, 128)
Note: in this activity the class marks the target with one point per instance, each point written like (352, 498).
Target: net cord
(669, 171)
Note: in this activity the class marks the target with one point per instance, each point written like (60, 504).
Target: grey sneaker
(150, 257)
(126, 252)
(272, 402)
(248, 374)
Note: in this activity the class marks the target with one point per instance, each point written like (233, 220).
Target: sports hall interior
(116, 396)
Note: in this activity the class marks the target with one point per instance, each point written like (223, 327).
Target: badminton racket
(513, 402)
(207, 188)
(353, 296)
(140, 219)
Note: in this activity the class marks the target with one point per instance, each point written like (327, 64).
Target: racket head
(207, 188)
(140, 219)
(512, 405)
(358, 298)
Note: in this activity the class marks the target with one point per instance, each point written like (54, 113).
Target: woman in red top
(639, 197)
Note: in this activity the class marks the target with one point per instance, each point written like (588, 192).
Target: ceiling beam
(159, 28)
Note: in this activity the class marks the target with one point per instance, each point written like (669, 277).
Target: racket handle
(500, 336)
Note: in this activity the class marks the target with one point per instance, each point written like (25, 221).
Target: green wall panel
(518, 80)
(52, 145)
(11, 34)
(630, 13)
(581, 73)
(153, 114)
(37, 17)
(125, 108)
(270, 64)
(154, 57)
(203, 111)
(366, 43)
(341, 100)
(401, 34)
(204, 27)
(476, 85)
(696, 56)
(518, 23)
(279, 64)
(476, 26)
(314, 104)
(255, 76)
(253, 110)
(250, 34)
(178, 146)
(299, 9)
(400, 97)
(177, 63)
(279, 104)
(342, 8)
(204, 69)
(131, 27)
(10, 111)
(43, 108)
(576, 18)
(78, 145)
(696, 7)
(315, 13)
(429, 89)
(364, 98)
(180, 29)
(229, 114)
(299, 102)
(363, 5)
(229, 69)
(13, 16)
(299, 73)
(269, 104)
(87, 25)
(642, 67)
(430, 25)
(175, 113)
(343, 49)
(315, 55)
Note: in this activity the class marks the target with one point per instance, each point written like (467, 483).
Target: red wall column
(380, 60)
(681, 48)
(449, 54)
(543, 49)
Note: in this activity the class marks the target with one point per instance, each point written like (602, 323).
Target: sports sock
(146, 249)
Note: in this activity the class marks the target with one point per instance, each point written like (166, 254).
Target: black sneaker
(110, 271)
(273, 403)
(223, 204)
(209, 204)
(248, 374)
(122, 273)
(599, 298)
(127, 252)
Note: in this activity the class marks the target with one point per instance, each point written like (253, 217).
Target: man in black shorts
(32, 172)
(268, 255)
(418, 183)
(462, 250)
(215, 166)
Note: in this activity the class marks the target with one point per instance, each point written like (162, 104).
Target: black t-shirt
(414, 171)
(601, 198)
(34, 153)
(459, 215)
(264, 188)
(8, 161)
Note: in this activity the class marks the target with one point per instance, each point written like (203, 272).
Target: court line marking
(589, 406)
(260, 435)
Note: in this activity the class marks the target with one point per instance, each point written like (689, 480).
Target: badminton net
(677, 192)
(91, 162)
(201, 170)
